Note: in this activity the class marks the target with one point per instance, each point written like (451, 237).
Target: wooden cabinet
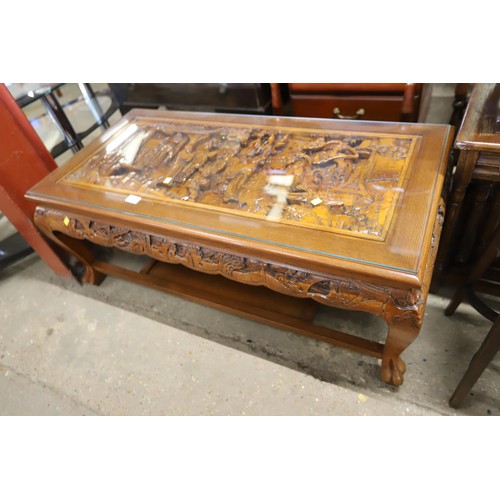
(363, 101)
(248, 98)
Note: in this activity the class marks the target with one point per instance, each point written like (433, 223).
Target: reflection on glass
(126, 134)
(329, 180)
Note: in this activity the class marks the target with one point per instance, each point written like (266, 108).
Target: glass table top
(26, 93)
(80, 116)
(329, 181)
(362, 192)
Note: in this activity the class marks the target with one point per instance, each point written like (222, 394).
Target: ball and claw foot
(393, 370)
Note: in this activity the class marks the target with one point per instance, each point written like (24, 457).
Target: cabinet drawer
(385, 108)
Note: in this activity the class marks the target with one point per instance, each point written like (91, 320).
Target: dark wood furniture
(248, 98)
(474, 202)
(345, 213)
(491, 343)
(462, 94)
(25, 161)
(363, 101)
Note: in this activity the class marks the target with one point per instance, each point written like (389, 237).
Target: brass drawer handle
(359, 113)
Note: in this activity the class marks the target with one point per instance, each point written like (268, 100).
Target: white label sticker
(280, 180)
(133, 199)
(316, 201)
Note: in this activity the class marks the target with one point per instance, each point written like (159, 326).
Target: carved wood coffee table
(345, 213)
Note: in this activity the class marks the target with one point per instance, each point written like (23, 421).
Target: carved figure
(340, 182)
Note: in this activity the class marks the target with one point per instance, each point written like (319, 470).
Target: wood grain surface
(375, 187)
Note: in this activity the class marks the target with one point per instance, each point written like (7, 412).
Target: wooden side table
(347, 214)
(473, 208)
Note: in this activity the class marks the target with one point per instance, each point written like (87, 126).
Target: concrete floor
(121, 349)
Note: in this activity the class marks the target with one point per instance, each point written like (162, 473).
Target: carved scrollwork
(342, 292)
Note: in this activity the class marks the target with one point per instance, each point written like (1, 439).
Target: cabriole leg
(402, 332)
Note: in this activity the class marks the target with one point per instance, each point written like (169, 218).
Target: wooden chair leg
(478, 364)
(277, 101)
(455, 302)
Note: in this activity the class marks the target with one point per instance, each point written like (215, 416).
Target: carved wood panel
(335, 181)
